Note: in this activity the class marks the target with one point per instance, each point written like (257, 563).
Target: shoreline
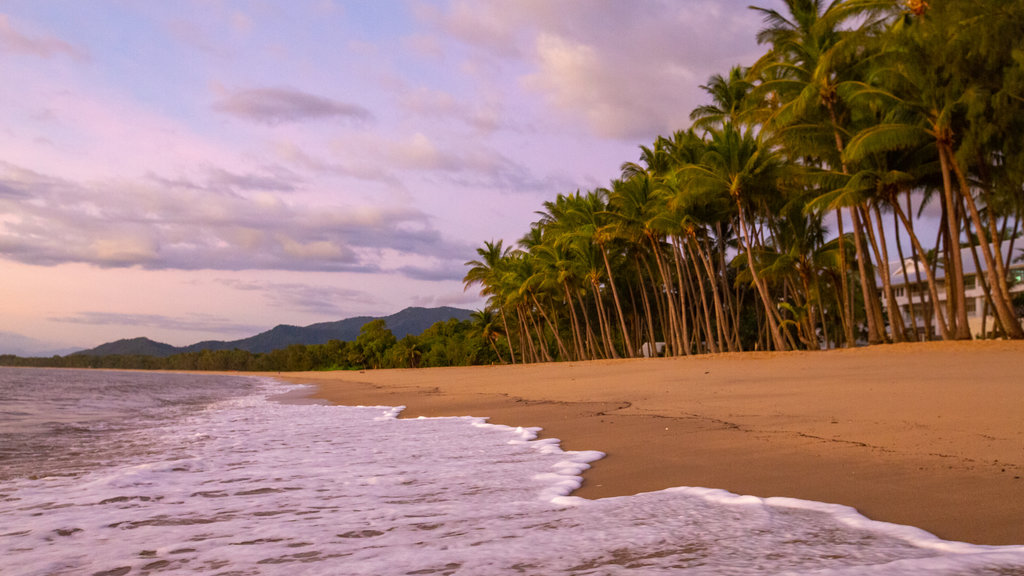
(928, 435)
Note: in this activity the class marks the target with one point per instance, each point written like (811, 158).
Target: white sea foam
(255, 487)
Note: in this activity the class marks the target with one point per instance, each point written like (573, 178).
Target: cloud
(191, 322)
(320, 300)
(448, 271)
(624, 70)
(457, 299)
(483, 114)
(345, 166)
(114, 224)
(281, 105)
(11, 40)
(273, 179)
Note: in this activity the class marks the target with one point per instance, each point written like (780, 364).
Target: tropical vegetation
(445, 343)
(769, 223)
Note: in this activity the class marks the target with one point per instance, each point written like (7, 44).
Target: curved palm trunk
(867, 281)
(730, 304)
(667, 283)
(847, 296)
(577, 338)
(954, 293)
(716, 297)
(996, 269)
(591, 345)
(542, 343)
(490, 340)
(882, 257)
(844, 295)
(602, 321)
(932, 289)
(906, 280)
(618, 305)
(762, 290)
(525, 340)
(552, 326)
(651, 338)
(712, 344)
(508, 335)
(671, 345)
(680, 279)
(812, 328)
(987, 291)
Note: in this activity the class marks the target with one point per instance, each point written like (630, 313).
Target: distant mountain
(133, 347)
(20, 345)
(409, 321)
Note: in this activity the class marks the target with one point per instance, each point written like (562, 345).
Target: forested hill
(412, 320)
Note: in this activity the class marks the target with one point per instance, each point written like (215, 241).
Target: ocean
(114, 473)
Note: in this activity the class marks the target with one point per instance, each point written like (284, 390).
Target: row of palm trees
(860, 114)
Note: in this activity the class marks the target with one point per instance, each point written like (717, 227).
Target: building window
(972, 306)
(970, 282)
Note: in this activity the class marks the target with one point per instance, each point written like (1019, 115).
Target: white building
(910, 290)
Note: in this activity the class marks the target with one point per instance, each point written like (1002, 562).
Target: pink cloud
(12, 40)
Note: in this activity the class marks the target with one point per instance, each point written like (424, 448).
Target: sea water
(134, 473)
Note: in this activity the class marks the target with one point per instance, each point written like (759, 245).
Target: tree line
(448, 343)
(860, 115)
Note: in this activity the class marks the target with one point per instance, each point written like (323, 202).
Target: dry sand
(930, 435)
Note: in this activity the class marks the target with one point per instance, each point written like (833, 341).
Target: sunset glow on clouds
(208, 169)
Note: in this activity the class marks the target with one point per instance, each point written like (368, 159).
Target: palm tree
(636, 206)
(931, 102)
(729, 102)
(587, 220)
(738, 166)
(811, 60)
(489, 272)
(485, 327)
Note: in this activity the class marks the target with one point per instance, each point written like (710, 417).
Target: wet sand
(930, 435)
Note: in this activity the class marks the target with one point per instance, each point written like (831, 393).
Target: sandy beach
(930, 435)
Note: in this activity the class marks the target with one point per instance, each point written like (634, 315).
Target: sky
(208, 169)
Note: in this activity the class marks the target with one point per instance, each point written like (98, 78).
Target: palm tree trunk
(721, 320)
(906, 279)
(867, 280)
(671, 344)
(996, 270)
(730, 301)
(651, 339)
(770, 312)
(553, 327)
(845, 294)
(542, 343)
(508, 335)
(618, 305)
(878, 245)
(609, 348)
(495, 348)
(713, 345)
(577, 338)
(985, 288)
(956, 275)
(673, 318)
(592, 347)
(680, 279)
(919, 257)
(812, 329)
(932, 289)
(525, 340)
